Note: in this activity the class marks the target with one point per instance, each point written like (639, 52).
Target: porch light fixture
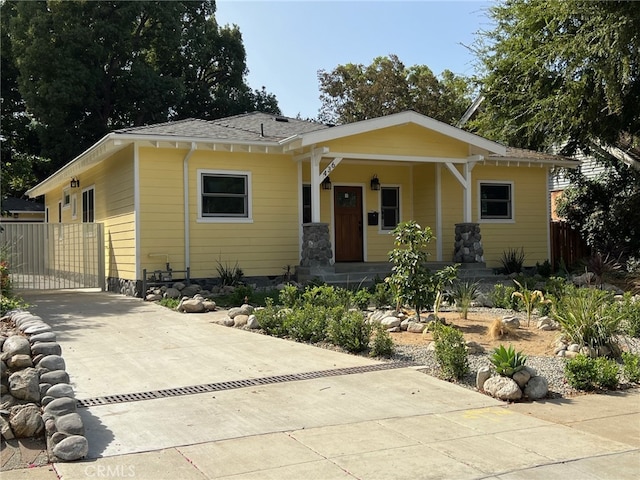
(326, 184)
(75, 183)
(375, 183)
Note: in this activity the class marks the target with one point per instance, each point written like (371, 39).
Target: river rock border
(36, 393)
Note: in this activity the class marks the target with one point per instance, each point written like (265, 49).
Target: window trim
(74, 206)
(207, 219)
(381, 228)
(66, 198)
(85, 190)
(509, 183)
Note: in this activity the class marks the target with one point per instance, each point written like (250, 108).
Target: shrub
(556, 286)
(502, 297)
(349, 331)
(381, 344)
(464, 293)
(382, 295)
(545, 269)
(271, 319)
(289, 296)
(229, 276)
(306, 324)
(631, 366)
(507, 361)
(586, 318)
(451, 351)
(171, 303)
(327, 296)
(585, 373)
(628, 309)
(11, 303)
(512, 260)
(361, 299)
(241, 294)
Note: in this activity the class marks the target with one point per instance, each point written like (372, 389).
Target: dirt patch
(528, 340)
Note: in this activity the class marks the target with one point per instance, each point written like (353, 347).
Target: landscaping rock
(26, 421)
(61, 406)
(245, 309)
(43, 337)
(209, 306)
(484, 373)
(190, 291)
(377, 315)
(15, 345)
(574, 347)
(71, 424)
(61, 390)
(536, 388)
(5, 429)
(521, 377)
(46, 348)
(38, 328)
(474, 348)
(415, 327)
(586, 278)
(240, 320)
(153, 297)
(252, 322)
(179, 286)
(25, 385)
(511, 321)
(55, 376)
(404, 324)
(191, 305)
(172, 293)
(19, 361)
(71, 448)
(52, 362)
(503, 388)
(391, 322)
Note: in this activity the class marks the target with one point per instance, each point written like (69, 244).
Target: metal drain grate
(233, 384)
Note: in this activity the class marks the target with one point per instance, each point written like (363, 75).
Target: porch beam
(329, 168)
(393, 158)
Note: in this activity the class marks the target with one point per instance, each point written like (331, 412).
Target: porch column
(468, 244)
(315, 186)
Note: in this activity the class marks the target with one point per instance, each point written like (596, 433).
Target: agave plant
(507, 361)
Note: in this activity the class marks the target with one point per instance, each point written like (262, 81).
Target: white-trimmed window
(88, 205)
(66, 198)
(389, 207)
(306, 203)
(225, 196)
(74, 206)
(496, 200)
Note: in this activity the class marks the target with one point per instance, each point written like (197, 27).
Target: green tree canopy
(560, 73)
(355, 92)
(78, 69)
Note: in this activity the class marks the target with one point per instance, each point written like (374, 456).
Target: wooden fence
(566, 245)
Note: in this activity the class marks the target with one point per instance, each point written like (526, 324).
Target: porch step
(353, 275)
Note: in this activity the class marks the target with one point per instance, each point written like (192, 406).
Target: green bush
(306, 324)
(451, 351)
(502, 297)
(587, 318)
(631, 366)
(507, 361)
(585, 373)
(11, 303)
(229, 275)
(362, 299)
(381, 344)
(628, 309)
(241, 294)
(382, 295)
(545, 269)
(327, 296)
(349, 331)
(171, 303)
(289, 296)
(271, 319)
(556, 286)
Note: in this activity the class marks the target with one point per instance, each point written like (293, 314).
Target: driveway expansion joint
(235, 384)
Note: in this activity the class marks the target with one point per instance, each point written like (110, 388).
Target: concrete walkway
(387, 424)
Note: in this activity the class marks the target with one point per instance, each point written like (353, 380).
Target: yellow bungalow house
(269, 192)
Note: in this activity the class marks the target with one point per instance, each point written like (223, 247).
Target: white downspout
(187, 231)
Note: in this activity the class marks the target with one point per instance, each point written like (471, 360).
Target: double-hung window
(88, 205)
(390, 207)
(306, 203)
(224, 195)
(496, 201)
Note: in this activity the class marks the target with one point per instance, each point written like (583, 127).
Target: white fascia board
(533, 162)
(398, 119)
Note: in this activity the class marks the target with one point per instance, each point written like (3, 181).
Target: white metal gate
(52, 256)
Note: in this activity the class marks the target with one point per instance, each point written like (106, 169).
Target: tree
(567, 75)
(560, 73)
(85, 68)
(355, 92)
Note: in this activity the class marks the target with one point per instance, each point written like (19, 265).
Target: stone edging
(36, 394)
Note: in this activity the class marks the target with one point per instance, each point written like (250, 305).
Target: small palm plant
(464, 293)
(530, 299)
(507, 361)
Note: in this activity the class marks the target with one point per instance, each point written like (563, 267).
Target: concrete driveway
(374, 423)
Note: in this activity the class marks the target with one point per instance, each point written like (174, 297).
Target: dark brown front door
(347, 202)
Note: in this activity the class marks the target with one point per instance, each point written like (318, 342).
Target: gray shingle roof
(247, 127)
(12, 204)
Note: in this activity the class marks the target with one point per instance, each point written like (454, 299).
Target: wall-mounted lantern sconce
(375, 183)
(75, 183)
(326, 184)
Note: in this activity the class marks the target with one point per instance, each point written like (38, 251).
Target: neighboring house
(194, 193)
(21, 210)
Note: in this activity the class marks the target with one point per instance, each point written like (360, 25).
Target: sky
(287, 42)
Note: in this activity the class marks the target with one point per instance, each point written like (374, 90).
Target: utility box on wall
(372, 218)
